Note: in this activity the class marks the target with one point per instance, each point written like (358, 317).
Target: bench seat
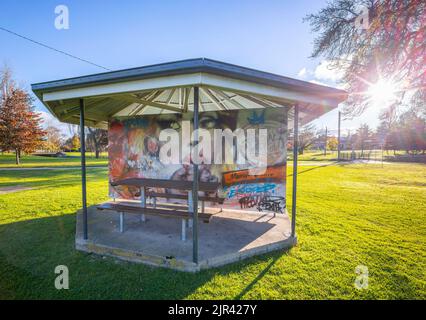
(185, 214)
(131, 207)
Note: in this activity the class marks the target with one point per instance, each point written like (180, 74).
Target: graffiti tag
(272, 203)
(250, 201)
(263, 203)
(245, 189)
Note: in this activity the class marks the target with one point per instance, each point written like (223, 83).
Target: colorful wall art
(134, 151)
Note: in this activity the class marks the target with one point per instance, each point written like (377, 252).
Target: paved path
(10, 189)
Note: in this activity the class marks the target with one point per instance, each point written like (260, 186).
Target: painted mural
(134, 147)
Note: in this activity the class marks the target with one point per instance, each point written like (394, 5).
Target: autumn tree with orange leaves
(20, 129)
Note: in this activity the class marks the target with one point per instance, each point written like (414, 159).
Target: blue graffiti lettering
(244, 189)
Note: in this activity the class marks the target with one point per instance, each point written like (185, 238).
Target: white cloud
(325, 72)
(302, 73)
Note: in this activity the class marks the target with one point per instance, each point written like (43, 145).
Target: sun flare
(382, 92)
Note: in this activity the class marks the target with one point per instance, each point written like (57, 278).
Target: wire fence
(370, 155)
(373, 155)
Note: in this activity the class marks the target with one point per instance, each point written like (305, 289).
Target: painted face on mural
(135, 149)
(152, 146)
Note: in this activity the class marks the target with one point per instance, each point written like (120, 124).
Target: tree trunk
(17, 157)
(97, 152)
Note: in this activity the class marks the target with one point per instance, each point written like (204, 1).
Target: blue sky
(267, 35)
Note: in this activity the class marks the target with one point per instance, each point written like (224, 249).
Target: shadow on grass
(314, 168)
(276, 256)
(30, 250)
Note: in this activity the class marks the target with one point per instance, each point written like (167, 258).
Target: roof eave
(186, 67)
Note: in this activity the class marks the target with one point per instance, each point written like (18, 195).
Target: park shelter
(204, 92)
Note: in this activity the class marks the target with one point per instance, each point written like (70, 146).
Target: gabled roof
(166, 87)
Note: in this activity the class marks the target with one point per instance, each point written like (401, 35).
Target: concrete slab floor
(228, 237)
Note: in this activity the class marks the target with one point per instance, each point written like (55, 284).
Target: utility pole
(338, 137)
(325, 141)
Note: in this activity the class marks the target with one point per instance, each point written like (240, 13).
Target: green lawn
(7, 160)
(348, 215)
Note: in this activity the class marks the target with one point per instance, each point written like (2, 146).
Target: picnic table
(143, 184)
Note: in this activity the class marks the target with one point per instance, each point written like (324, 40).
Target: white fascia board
(263, 90)
(201, 79)
(123, 87)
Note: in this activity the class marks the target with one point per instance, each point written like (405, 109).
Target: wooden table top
(168, 184)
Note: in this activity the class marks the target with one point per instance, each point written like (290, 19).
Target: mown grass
(7, 160)
(347, 215)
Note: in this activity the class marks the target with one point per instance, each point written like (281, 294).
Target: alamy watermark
(241, 146)
(362, 21)
(62, 19)
(361, 281)
(62, 280)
